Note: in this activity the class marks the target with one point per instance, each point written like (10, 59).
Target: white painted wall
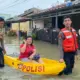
(39, 24)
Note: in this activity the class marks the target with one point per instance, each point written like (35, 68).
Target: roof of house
(58, 8)
(18, 19)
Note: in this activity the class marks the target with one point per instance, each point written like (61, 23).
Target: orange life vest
(70, 42)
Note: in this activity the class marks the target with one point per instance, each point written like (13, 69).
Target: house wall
(15, 26)
(38, 24)
(24, 26)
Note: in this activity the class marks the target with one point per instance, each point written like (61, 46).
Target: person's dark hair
(29, 37)
(68, 16)
(1, 19)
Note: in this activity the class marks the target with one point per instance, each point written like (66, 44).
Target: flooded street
(46, 50)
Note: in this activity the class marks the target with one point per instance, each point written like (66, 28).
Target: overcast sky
(15, 7)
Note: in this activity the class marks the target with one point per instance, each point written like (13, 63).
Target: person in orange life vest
(28, 51)
(68, 45)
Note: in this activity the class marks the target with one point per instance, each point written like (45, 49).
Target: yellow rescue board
(50, 67)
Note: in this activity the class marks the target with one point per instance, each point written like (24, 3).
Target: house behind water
(22, 22)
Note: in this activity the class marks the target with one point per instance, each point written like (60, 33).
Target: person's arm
(34, 52)
(2, 42)
(60, 39)
(60, 48)
(77, 51)
(23, 48)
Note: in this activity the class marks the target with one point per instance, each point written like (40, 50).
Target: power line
(16, 3)
(13, 2)
(4, 2)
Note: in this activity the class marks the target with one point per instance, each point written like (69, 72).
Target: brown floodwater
(46, 50)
